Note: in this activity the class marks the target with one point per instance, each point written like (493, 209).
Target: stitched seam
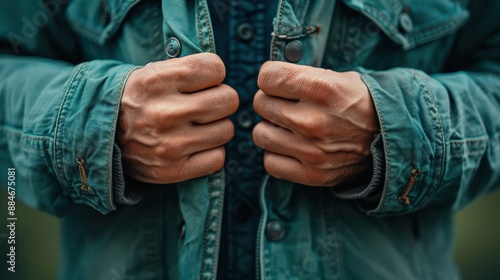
(305, 9)
(80, 69)
(328, 227)
(309, 27)
(209, 27)
(18, 136)
(120, 16)
(435, 33)
(441, 130)
(471, 151)
(94, 33)
(219, 225)
(25, 136)
(459, 155)
(112, 138)
(438, 28)
(274, 51)
(449, 27)
(309, 30)
(207, 226)
(461, 142)
(386, 145)
(199, 28)
(384, 18)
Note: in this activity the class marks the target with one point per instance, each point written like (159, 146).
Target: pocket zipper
(403, 198)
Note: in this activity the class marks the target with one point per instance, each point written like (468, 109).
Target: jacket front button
(246, 32)
(275, 230)
(406, 23)
(245, 119)
(173, 47)
(294, 51)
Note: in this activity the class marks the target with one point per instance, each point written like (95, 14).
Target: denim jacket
(432, 69)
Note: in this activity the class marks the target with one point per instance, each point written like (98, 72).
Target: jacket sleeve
(441, 132)
(57, 119)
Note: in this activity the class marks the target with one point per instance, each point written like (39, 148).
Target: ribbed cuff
(128, 195)
(368, 192)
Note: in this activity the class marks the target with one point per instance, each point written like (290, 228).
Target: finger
(282, 141)
(200, 164)
(290, 169)
(187, 74)
(285, 113)
(296, 82)
(213, 104)
(275, 78)
(202, 107)
(165, 148)
(199, 138)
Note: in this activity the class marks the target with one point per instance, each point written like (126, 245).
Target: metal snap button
(294, 51)
(173, 47)
(275, 230)
(405, 22)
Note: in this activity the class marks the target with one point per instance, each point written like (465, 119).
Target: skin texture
(318, 125)
(173, 120)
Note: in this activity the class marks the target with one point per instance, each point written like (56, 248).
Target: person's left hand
(318, 125)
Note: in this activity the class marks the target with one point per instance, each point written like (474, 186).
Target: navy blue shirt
(242, 37)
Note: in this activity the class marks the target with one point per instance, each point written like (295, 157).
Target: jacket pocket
(412, 23)
(98, 20)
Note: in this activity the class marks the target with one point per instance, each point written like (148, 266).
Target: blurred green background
(478, 241)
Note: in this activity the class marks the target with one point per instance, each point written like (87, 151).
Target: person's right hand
(173, 123)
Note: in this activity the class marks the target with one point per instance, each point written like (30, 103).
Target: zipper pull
(403, 198)
(83, 175)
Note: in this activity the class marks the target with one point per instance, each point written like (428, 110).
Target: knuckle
(157, 116)
(274, 73)
(167, 151)
(263, 74)
(217, 161)
(217, 66)
(154, 114)
(316, 87)
(229, 97)
(229, 130)
(184, 71)
(317, 126)
(208, 102)
(149, 75)
(225, 132)
(318, 159)
(268, 166)
(207, 61)
(272, 168)
(260, 138)
(258, 103)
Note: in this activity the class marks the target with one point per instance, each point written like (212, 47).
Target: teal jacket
(432, 68)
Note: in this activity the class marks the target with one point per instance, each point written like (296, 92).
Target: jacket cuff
(123, 194)
(413, 140)
(85, 132)
(369, 189)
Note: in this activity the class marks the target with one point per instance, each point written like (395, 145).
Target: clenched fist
(318, 125)
(173, 120)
